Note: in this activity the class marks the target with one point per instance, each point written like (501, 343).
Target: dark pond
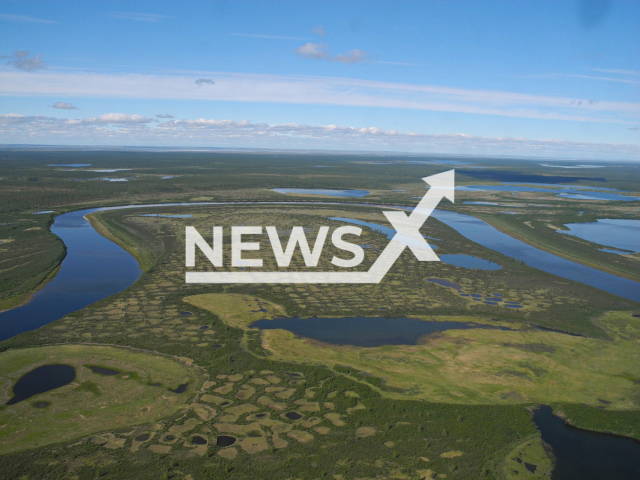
(293, 415)
(225, 440)
(103, 370)
(324, 191)
(198, 440)
(142, 438)
(181, 388)
(364, 331)
(584, 455)
(42, 379)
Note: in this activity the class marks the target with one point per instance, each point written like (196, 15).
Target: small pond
(181, 388)
(198, 440)
(324, 191)
(364, 331)
(622, 234)
(102, 370)
(493, 299)
(42, 379)
(225, 441)
(586, 455)
(293, 416)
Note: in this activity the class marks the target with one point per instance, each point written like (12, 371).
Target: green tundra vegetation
(267, 404)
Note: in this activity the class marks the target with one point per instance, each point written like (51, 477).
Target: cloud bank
(21, 61)
(125, 129)
(240, 87)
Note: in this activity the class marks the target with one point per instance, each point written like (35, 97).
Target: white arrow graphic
(407, 228)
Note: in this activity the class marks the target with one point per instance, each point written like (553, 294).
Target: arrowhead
(445, 182)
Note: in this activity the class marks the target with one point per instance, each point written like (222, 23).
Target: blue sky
(555, 79)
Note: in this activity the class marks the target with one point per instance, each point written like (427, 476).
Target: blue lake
(69, 164)
(481, 232)
(323, 191)
(364, 331)
(618, 252)
(622, 234)
(585, 455)
(388, 231)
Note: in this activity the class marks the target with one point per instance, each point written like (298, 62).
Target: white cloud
(316, 90)
(111, 119)
(320, 30)
(164, 115)
(64, 106)
(139, 17)
(121, 129)
(320, 51)
(354, 56)
(24, 19)
(317, 51)
(21, 61)
(204, 81)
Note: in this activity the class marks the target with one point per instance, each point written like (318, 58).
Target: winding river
(96, 268)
